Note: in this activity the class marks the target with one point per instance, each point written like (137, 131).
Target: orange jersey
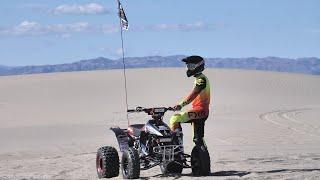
(200, 96)
(202, 101)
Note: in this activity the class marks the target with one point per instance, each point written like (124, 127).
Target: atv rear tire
(171, 168)
(200, 161)
(130, 164)
(107, 162)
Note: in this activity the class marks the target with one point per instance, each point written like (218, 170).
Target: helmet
(195, 65)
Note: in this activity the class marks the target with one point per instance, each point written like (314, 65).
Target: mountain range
(300, 65)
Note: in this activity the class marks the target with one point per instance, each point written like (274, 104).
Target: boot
(179, 138)
(180, 141)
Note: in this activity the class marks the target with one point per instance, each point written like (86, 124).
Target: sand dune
(262, 124)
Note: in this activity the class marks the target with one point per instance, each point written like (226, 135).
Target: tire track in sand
(292, 116)
(286, 119)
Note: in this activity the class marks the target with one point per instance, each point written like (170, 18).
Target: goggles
(193, 66)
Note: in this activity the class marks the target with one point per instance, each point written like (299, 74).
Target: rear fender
(122, 137)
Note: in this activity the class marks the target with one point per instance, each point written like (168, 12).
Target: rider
(200, 98)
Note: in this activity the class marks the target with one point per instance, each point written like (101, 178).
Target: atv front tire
(200, 161)
(130, 164)
(171, 168)
(107, 162)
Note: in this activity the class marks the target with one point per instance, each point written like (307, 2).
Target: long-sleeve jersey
(200, 95)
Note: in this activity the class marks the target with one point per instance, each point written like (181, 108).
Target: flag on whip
(123, 25)
(122, 15)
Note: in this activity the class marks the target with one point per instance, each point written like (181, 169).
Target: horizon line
(117, 59)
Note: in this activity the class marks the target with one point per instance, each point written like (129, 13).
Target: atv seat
(136, 129)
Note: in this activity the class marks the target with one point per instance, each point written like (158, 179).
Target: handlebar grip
(131, 110)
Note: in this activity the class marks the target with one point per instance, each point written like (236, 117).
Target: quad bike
(145, 146)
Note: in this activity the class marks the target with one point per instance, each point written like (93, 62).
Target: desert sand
(263, 125)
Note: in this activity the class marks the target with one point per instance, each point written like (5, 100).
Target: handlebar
(149, 110)
(131, 110)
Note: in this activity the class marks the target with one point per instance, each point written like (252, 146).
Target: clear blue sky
(34, 32)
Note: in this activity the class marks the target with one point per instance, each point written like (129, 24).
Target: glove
(177, 107)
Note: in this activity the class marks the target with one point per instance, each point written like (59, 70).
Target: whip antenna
(123, 26)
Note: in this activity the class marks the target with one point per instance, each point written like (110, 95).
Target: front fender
(122, 138)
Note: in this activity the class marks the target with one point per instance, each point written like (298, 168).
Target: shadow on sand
(234, 173)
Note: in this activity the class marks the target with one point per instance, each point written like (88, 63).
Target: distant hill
(300, 65)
